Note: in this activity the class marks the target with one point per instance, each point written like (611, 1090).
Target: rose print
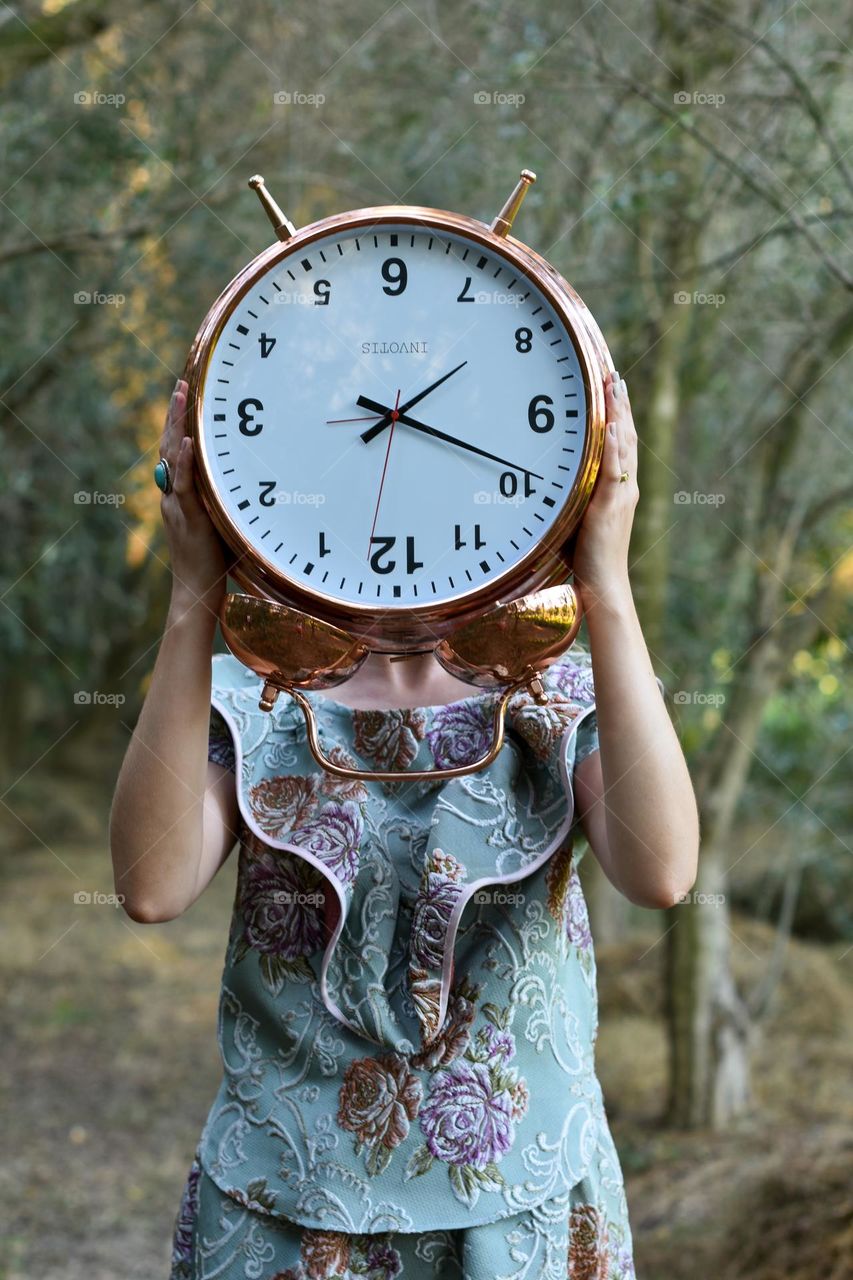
(464, 1120)
(390, 738)
(434, 905)
(378, 1099)
(324, 1253)
(280, 804)
(588, 1254)
(334, 836)
(282, 904)
(460, 733)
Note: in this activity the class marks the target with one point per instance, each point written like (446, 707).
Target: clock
(398, 420)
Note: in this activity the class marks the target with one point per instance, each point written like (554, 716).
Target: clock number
(411, 563)
(267, 487)
(385, 545)
(267, 345)
(509, 484)
(322, 292)
(459, 541)
(465, 296)
(324, 550)
(539, 415)
(247, 409)
(394, 271)
(523, 340)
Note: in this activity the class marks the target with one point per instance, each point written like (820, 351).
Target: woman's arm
(174, 814)
(635, 799)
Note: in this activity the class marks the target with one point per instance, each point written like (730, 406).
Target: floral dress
(408, 1008)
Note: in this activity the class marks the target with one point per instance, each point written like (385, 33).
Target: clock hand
(368, 435)
(393, 414)
(365, 403)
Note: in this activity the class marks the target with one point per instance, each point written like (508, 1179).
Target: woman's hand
(195, 548)
(601, 547)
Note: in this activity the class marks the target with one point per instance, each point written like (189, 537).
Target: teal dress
(408, 1006)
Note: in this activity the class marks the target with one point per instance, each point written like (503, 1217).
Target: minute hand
(365, 403)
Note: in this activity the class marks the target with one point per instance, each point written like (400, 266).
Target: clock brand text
(409, 348)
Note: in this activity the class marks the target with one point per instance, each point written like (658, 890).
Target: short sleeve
(587, 738)
(220, 747)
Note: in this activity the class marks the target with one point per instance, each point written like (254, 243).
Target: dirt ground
(109, 1065)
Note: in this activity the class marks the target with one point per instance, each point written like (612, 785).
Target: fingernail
(615, 387)
(611, 427)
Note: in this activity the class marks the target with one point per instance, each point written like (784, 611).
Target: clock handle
(531, 680)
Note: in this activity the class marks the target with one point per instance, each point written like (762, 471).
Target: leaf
(378, 1159)
(241, 949)
(272, 973)
(421, 1161)
(490, 1178)
(493, 1013)
(464, 1184)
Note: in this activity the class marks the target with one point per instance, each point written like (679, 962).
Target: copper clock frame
(387, 628)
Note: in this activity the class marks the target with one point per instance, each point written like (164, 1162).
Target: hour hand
(365, 402)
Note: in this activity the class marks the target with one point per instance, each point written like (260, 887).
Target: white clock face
(311, 463)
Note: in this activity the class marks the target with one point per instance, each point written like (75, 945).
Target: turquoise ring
(163, 476)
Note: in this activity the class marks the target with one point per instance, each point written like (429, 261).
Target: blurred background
(695, 185)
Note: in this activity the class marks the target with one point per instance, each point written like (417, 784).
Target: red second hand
(394, 416)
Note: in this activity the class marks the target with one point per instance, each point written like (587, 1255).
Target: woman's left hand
(601, 547)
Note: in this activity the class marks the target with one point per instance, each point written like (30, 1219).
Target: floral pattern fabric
(408, 1009)
(580, 1234)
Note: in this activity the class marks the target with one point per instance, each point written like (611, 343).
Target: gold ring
(623, 477)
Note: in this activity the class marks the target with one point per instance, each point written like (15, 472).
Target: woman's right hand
(195, 549)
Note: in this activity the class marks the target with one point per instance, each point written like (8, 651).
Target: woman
(408, 1006)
